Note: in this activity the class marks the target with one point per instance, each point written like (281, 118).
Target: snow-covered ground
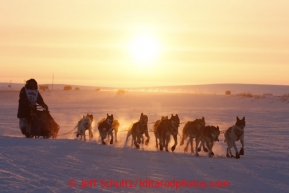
(67, 164)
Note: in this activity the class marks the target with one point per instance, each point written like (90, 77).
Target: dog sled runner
(43, 125)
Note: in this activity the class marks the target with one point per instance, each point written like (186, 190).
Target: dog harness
(238, 135)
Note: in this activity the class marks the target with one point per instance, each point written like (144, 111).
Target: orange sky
(201, 42)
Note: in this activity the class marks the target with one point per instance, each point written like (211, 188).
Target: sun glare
(144, 48)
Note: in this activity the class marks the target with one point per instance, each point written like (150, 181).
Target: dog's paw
(137, 146)
(241, 151)
(147, 142)
(111, 141)
(103, 143)
(23, 131)
(237, 156)
(27, 135)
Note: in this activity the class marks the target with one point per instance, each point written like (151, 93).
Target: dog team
(163, 129)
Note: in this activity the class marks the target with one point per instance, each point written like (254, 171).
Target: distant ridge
(254, 89)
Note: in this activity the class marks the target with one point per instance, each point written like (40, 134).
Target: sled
(43, 125)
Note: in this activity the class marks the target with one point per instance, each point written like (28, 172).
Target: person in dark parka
(28, 98)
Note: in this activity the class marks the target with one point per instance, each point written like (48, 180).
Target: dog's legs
(135, 140)
(175, 144)
(229, 152)
(161, 141)
(103, 136)
(81, 135)
(148, 137)
(236, 150)
(156, 141)
(212, 144)
(187, 145)
(84, 136)
(202, 144)
(183, 139)
(210, 147)
(197, 144)
(110, 133)
(242, 148)
(204, 148)
(192, 144)
(102, 141)
(167, 139)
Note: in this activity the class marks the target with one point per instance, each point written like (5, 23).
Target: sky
(129, 43)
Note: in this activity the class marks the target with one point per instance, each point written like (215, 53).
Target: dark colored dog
(115, 126)
(138, 129)
(209, 135)
(192, 129)
(167, 128)
(156, 127)
(105, 129)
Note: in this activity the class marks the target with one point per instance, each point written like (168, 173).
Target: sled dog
(85, 124)
(156, 127)
(192, 129)
(105, 129)
(209, 134)
(233, 134)
(115, 126)
(167, 128)
(137, 130)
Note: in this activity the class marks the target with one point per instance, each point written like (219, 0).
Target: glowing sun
(144, 48)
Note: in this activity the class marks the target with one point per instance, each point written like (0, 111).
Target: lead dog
(85, 124)
(105, 129)
(233, 134)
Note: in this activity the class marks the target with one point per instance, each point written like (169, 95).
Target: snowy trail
(48, 165)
